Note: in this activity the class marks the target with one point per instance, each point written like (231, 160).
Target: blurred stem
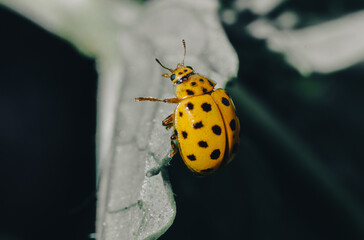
(296, 157)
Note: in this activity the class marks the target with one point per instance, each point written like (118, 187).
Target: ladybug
(206, 128)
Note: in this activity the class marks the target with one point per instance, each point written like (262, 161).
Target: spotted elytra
(206, 128)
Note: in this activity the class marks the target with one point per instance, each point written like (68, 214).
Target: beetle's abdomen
(201, 133)
(231, 121)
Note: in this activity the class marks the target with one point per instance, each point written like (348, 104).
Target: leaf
(311, 49)
(125, 37)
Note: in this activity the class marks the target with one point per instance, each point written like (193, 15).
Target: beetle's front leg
(151, 99)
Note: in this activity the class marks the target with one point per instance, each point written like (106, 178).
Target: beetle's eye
(189, 67)
(173, 77)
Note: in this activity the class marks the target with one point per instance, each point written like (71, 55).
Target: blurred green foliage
(299, 170)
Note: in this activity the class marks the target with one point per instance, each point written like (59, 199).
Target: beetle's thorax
(181, 73)
(193, 85)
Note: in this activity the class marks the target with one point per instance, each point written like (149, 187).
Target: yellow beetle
(206, 128)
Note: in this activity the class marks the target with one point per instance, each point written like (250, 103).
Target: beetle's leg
(174, 147)
(175, 150)
(168, 121)
(166, 160)
(151, 99)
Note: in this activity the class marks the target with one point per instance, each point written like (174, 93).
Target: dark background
(300, 180)
(47, 134)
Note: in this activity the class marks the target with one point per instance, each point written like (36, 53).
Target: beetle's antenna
(184, 55)
(163, 66)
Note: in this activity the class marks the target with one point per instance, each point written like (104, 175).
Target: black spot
(232, 124)
(185, 70)
(204, 90)
(173, 77)
(179, 73)
(203, 144)
(175, 132)
(206, 107)
(189, 67)
(184, 134)
(201, 80)
(189, 92)
(225, 101)
(180, 114)
(187, 76)
(198, 125)
(234, 149)
(189, 106)
(216, 129)
(211, 83)
(191, 157)
(207, 170)
(215, 154)
(193, 83)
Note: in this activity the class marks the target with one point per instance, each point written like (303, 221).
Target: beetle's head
(181, 72)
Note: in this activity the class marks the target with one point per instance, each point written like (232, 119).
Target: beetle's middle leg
(168, 121)
(173, 145)
(166, 160)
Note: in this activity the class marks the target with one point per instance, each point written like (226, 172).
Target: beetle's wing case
(201, 134)
(231, 122)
